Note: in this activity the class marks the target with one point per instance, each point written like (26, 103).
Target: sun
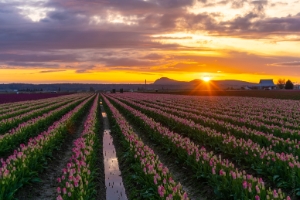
(206, 78)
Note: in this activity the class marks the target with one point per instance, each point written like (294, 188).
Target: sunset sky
(128, 41)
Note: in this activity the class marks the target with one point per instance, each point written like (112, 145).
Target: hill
(216, 83)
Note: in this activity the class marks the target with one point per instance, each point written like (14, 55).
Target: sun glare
(206, 78)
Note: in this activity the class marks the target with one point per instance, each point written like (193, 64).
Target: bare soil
(101, 190)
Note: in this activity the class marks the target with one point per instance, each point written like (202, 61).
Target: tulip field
(31, 131)
(167, 146)
(241, 147)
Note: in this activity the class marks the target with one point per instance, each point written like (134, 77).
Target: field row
(167, 146)
(278, 169)
(37, 139)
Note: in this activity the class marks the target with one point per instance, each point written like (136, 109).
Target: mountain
(216, 83)
(168, 81)
(196, 81)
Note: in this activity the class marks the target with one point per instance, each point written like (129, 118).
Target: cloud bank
(119, 35)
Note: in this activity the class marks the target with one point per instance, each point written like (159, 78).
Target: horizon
(138, 83)
(142, 83)
(126, 42)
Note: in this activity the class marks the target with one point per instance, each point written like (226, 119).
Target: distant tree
(281, 83)
(121, 90)
(113, 90)
(289, 85)
(59, 89)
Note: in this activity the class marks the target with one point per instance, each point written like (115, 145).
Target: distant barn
(266, 84)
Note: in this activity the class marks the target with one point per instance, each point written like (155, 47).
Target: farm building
(297, 87)
(266, 84)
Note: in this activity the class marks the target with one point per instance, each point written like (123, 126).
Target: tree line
(282, 84)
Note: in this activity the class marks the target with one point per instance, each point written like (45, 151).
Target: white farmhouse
(267, 84)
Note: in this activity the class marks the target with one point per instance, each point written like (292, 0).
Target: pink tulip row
(17, 132)
(286, 107)
(32, 112)
(17, 105)
(74, 182)
(267, 158)
(290, 125)
(235, 106)
(289, 129)
(20, 109)
(27, 109)
(276, 116)
(25, 160)
(167, 187)
(244, 184)
(11, 107)
(292, 146)
(249, 104)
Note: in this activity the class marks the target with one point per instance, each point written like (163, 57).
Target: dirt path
(113, 179)
(46, 189)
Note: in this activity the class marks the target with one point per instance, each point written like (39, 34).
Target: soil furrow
(101, 193)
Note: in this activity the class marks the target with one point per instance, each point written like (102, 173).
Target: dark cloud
(33, 57)
(287, 64)
(242, 23)
(67, 39)
(280, 25)
(153, 56)
(51, 71)
(238, 4)
(259, 6)
(85, 69)
(69, 25)
(127, 62)
(214, 4)
(174, 38)
(175, 3)
(12, 65)
(59, 15)
(117, 34)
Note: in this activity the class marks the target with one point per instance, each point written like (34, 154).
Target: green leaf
(148, 193)
(36, 180)
(282, 184)
(134, 176)
(276, 178)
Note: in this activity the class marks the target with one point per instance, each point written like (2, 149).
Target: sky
(128, 41)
